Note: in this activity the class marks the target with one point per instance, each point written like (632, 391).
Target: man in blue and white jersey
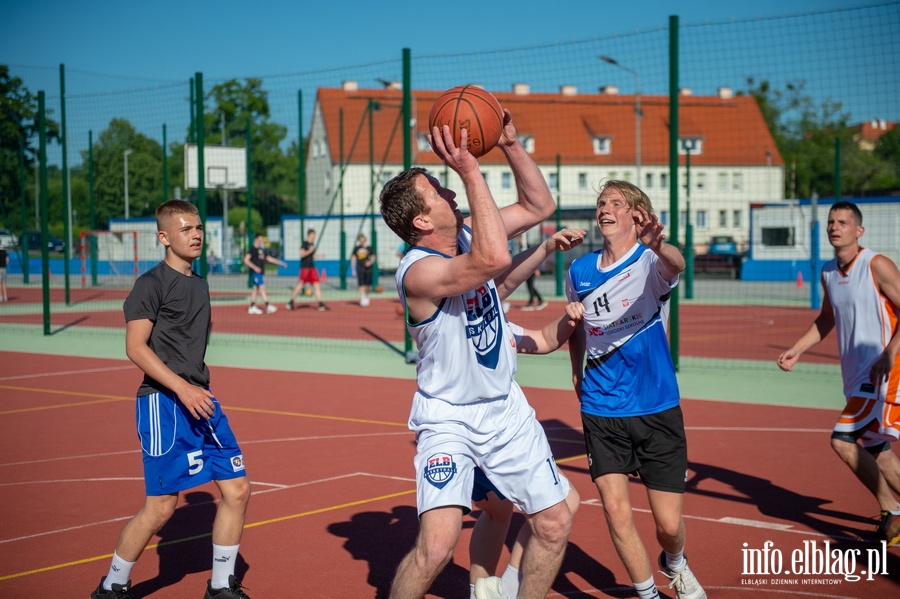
(468, 411)
(629, 395)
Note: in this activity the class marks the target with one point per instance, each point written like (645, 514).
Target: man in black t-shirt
(361, 261)
(4, 262)
(308, 272)
(256, 260)
(186, 440)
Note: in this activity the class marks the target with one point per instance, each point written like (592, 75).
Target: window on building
(701, 180)
(778, 236)
(582, 180)
(663, 180)
(385, 177)
(664, 218)
(648, 181)
(315, 149)
(723, 218)
(737, 181)
(701, 219)
(553, 181)
(682, 217)
(506, 180)
(527, 142)
(327, 183)
(613, 175)
(485, 175)
(723, 182)
(602, 144)
(736, 219)
(626, 176)
(695, 144)
(422, 142)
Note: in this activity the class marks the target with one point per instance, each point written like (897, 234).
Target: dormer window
(694, 144)
(527, 142)
(602, 144)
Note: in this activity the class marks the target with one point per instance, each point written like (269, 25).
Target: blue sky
(168, 40)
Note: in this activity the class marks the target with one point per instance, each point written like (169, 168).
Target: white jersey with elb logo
(864, 320)
(629, 370)
(466, 351)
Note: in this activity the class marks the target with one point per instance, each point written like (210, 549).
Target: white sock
(223, 565)
(510, 581)
(675, 561)
(119, 571)
(472, 590)
(646, 589)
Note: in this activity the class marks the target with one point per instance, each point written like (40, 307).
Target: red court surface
(706, 331)
(333, 512)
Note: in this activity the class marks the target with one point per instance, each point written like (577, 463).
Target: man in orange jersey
(862, 295)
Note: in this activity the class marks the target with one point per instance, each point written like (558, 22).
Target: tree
(144, 172)
(18, 121)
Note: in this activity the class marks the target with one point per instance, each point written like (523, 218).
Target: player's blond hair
(632, 194)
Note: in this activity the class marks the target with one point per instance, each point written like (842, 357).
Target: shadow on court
(185, 547)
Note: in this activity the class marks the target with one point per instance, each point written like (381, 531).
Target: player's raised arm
(526, 262)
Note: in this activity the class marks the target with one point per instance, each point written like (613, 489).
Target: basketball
(471, 108)
(378, 288)
(400, 310)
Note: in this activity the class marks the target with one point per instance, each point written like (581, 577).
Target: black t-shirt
(258, 258)
(362, 253)
(3, 258)
(307, 262)
(179, 307)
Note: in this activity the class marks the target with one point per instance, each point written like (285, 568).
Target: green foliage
(805, 134)
(237, 218)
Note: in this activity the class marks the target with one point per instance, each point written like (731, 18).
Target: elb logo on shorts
(440, 469)
(237, 463)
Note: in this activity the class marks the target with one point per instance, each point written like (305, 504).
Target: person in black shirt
(255, 260)
(4, 261)
(308, 272)
(361, 261)
(186, 440)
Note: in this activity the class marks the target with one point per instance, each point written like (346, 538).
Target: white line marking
(755, 523)
(70, 480)
(72, 457)
(63, 373)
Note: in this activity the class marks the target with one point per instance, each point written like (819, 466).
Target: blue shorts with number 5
(181, 452)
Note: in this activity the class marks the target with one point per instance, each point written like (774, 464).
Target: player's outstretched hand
(457, 158)
(649, 229)
(198, 401)
(787, 360)
(881, 368)
(575, 312)
(565, 239)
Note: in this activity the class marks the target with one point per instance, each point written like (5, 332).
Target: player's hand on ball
(565, 239)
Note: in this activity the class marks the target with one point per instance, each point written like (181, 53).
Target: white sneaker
(364, 301)
(684, 582)
(270, 309)
(254, 310)
(489, 588)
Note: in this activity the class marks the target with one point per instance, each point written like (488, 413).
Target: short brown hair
(172, 208)
(632, 194)
(853, 208)
(400, 204)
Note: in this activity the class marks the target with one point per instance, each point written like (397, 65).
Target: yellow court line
(574, 457)
(176, 541)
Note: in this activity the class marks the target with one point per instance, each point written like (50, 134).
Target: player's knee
(158, 510)
(237, 492)
(432, 554)
(553, 525)
(670, 526)
(843, 445)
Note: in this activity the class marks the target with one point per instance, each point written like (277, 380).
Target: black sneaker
(119, 591)
(289, 305)
(888, 530)
(232, 592)
(322, 307)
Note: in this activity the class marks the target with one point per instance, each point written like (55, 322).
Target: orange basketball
(471, 108)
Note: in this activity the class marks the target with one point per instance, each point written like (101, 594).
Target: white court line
(788, 591)
(89, 370)
(70, 480)
(278, 488)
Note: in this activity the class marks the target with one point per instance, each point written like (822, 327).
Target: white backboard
(225, 167)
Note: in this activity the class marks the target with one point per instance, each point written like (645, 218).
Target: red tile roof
(733, 130)
(872, 130)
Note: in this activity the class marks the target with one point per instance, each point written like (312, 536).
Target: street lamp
(637, 113)
(127, 152)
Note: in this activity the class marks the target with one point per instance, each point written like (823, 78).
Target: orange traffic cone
(324, 276)
(799, 279)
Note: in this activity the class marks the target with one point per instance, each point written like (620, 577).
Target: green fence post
(558, 264)
(67, 207)
(411, 356)
(301, 168)
(688, 229)
(92, 238)
(673, 176)
(250, 231)
(201, 167)
(23, 240)
(343, 249)
(837, 177)
(374, 239)
(45, 223)
(165, 166)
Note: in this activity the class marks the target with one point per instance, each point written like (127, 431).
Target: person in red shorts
(308, 272)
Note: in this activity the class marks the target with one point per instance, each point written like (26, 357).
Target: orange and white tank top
(865, 320)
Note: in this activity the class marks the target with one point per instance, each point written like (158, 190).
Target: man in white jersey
(861, 299)
(468, 411)
(629, 396)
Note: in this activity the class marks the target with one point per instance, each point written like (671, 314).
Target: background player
(308, 272)
(362, 258)
(185, 437)
(256, 260)
(469, 411)
(861, 297)
(629, 395)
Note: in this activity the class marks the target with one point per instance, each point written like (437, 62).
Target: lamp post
(127, 152)
(637, 113)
